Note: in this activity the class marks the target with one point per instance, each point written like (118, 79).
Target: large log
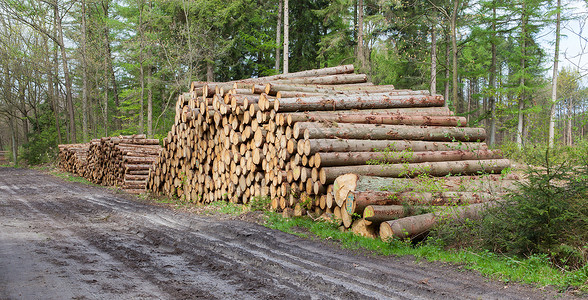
(382, 213)
(328, 79)
(357, 201)
(319, 130)
(312, 146)
(292, 117)
(373, 101)
(368, 117)
(443, 168)
(329, 159)
(410, 227)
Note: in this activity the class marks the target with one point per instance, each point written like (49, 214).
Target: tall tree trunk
(453, 24)
(22, 108)
(110, 72)
(279, 35)
(492, 99)
(360, 54)
(149, 103)
(141, 70)
(84, 74)
(522, 80)
(209, 71)
(68, 82)
(447, 70)
(569, 121)
(434, 58)
(554, 78)
(13, 139)
(286, 35)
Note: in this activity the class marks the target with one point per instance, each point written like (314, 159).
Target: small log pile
(73, 158)
(3, 157)
(291, 136)
(122, 161)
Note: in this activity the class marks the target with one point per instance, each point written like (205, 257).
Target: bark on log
(410, 227)
(313, 146)
(466, 167)
(312, 130)
(376, 101)
(329, 159)
(357, 201)
(361, 117)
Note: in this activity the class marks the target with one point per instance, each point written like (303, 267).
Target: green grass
(70, 177)
(535, 270)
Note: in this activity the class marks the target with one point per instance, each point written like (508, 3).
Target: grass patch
(537, 270)
(70, 177)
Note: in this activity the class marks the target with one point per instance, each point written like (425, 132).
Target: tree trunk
(149, 103)
(360, 54)
(68, 83)
(437, 169)
(329, 159)
(110, 66)
(357, 184)
(554, 78)
(84, 74)
(141, 66)
(279, 35)
(410, 227)
(447, 70)
(312, 130)
(344, 145)
(456, 4)
(286, 35)
(371, 117)
(209, 71)
(374, 101)
(433, 82)
(493, 89)
(522, 93)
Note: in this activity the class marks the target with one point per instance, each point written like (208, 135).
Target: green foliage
(42, 145)
(547, 216)
(260, 203)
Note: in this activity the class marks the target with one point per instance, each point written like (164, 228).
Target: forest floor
(68, 240)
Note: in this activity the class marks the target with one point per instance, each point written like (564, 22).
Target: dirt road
(64, 240)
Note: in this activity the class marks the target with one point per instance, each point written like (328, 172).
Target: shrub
(547, 215)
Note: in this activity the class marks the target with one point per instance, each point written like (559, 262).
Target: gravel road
(65, 240)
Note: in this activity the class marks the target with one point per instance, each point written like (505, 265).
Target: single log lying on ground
(412, 226)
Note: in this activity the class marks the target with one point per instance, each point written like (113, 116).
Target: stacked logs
(225, 143)
(291, 136)
(122, 161)
(407, 207)
(73, 158)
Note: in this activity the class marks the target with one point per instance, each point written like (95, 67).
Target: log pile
(73, 158)
(292, 136)
(122, 161)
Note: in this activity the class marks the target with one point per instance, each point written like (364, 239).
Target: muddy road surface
(64, 240)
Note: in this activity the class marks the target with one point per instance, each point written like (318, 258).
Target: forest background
(73, 70)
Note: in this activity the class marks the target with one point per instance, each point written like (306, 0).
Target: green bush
(547, 215)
